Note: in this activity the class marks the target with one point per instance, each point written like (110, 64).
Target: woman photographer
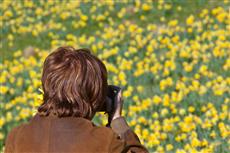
(75, 88)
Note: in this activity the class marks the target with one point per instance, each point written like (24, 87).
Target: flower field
(171, 57)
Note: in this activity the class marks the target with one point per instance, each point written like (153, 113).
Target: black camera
(108, 104)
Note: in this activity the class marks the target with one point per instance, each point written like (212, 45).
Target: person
(75, 87)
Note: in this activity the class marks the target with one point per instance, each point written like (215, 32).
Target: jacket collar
(70, 121)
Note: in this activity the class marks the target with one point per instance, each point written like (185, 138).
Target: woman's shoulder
(15, 129)
(13, 132)
(102, 131)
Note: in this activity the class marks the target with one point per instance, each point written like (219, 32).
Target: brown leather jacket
(72, 135)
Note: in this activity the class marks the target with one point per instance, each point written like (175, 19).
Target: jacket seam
(14, 140)
(48, 147)
(16, 136)
(111, 142)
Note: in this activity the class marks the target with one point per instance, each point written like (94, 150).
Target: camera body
(108, 105)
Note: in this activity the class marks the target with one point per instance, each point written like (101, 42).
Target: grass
(24, 40)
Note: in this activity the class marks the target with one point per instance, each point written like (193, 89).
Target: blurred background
(172, 58)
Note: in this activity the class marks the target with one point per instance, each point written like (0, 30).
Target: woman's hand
(118, 105)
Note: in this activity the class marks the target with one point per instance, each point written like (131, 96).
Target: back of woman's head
(74, 83)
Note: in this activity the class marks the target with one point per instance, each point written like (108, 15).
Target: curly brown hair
(74, 83)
